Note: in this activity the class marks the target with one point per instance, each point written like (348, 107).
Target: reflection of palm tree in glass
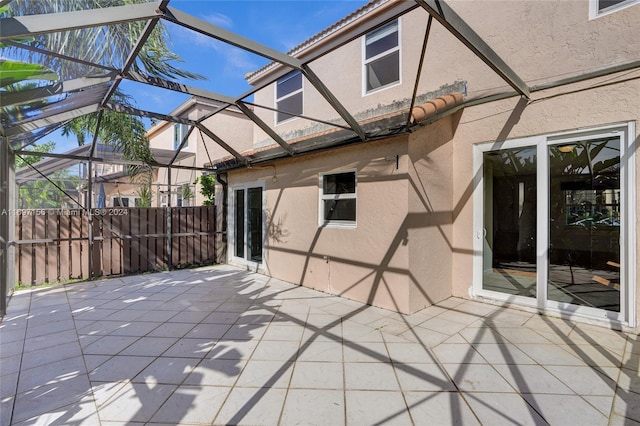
(584, 187)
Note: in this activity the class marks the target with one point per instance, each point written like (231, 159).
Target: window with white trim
(289, 97)
(382, 57)
(179, 132)
(338, 199)
(604, 7)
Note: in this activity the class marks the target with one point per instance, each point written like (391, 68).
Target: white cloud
(219, 20)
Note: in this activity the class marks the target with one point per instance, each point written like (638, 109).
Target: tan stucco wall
(429, 223)
(367, 263)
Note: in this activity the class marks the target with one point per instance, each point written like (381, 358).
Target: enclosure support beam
(333, 101)
(30, 25)
(210, 30)
(169, 239)
(449, 19)
(265, 127)
(7, 184)
(89, 207)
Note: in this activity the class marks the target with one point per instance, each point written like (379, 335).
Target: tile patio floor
(220, 345)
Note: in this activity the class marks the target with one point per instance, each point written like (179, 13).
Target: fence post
(5, 221)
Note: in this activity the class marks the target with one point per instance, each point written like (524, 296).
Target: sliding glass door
(550, 223)
(247, 223)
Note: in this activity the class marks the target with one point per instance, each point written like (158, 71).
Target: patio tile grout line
(24, 341)
(250, 356)
(293, 367)
(84, 361)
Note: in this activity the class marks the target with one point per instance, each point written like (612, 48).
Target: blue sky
(280, 25)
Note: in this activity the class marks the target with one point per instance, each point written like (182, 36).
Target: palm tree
(110, 46)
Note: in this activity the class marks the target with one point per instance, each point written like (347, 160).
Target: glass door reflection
(584, 224)
(510, 191)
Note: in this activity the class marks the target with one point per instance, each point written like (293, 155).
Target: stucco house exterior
(528, 202)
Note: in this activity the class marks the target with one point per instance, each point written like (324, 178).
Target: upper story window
(338, 199)
(289, 96)
(179, 132)
(382, 57)
(604, 7)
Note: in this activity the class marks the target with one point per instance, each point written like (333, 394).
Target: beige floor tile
(313, 407)
(320, 351)
(498, 353)
(283, 332)
(566, 409)
(376, 407)
(191, 348)
(365, 352)
(269, 350)
(149, 346)
(604, 404)
(135, 402)
(477, 378)
(274, 374)
(120, 368)
(216, 372)
(318, 375)
(423, 378)
(191, 405)
(457, 353)
(442, 325)
(587, 380)
(252, 406)
(80, 413)
(370, 376)
(51, 397)
(550, 354)
(532, 379)
(502, 409)
(409, 353)
(439, 408)
(166, 370)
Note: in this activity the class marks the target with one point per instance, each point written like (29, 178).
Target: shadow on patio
(223, 346)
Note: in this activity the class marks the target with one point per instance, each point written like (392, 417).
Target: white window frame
(231, 226)
(348, 224)
(288, 95)
(628, 294)
(595, 13)
(366, 62)
(179, 131)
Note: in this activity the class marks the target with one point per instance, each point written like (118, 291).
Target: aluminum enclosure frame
(151, 13)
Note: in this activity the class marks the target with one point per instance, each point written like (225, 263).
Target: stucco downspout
(225, 209)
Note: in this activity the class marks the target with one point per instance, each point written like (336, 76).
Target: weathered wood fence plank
(54, 245)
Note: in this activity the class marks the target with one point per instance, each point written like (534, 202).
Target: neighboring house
(230, 125)
(526, 202)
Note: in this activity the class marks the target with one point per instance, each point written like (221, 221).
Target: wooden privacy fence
(59, 245)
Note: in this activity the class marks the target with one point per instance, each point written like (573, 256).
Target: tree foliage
(108, 45)
(208, 189)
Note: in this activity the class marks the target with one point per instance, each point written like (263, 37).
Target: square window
(604, 7)
(382, 57)
(338, 199)
(289, 96)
